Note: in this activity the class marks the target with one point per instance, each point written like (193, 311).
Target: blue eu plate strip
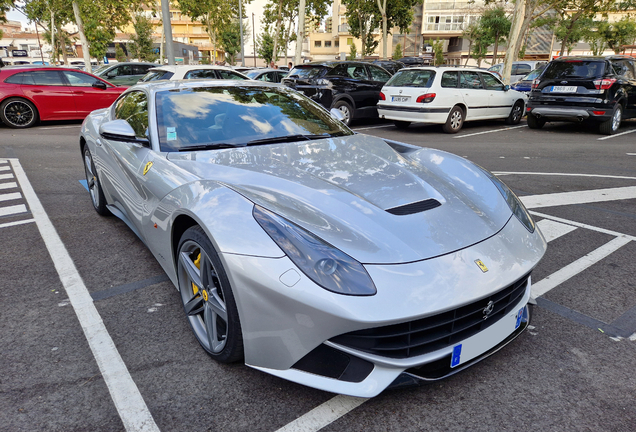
(457, 354)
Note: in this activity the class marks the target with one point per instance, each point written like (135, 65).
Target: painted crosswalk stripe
(9, 185)
(22, 222)
(571, 270)
(5, 168)
(10, 196)
(11, 210)
(6, 176)
(324, 414)
(553, 230)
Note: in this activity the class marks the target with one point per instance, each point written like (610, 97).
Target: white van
(520, 68)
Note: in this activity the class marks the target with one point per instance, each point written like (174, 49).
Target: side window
(78, 79)
(357, 72)
(139, 69)
(230, 75)
(624, 68)
(15, 79)
(134, 109)
(201, 74)
(491, 82)
(340, 70)
(45, 78)
(470, 80)
(378, 74)
(450, 79)
(522, 69)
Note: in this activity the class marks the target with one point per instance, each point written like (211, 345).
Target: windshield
(155, 75)
(225, 116)
(306, 72)
(412, 78)
(574, 69)
(100, 70)
(532, 75)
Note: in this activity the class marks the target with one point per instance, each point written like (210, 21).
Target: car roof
(334, 63)
(167, 85)
(180, 68)
(599, 58)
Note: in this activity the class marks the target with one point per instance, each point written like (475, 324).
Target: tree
(479, 40)
(619, 33)
(141, 46)
(362, 19)
(265, 46)
(495, 22)
(353, 52)
(438, 51)
(120, 55)
(230, 38)
(398, 13)
(397, 54)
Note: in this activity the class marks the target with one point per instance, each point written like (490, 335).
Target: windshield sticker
(171, 134)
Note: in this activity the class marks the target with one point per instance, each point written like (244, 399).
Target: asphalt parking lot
(572, 371)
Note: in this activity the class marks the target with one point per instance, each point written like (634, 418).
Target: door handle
(37, 91)
(79, 92)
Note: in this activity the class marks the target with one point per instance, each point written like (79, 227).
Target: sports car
(340, 261)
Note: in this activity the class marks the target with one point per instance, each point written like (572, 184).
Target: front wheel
(207, 297)
(18, 113)
(516, 114)
(455, 120)
(610, 127)
(93, 184)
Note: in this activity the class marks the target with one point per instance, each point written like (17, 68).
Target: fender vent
(416, 207)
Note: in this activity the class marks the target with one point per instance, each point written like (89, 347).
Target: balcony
(448, 5)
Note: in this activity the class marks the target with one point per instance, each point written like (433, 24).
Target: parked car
(340, 261)
(268, 75)
(585, 89)
(391, 66)
(448, 96)
(525, 83)
(412, 61)
(519, 69)
(124, 73)
(350, 86)
(180, 72)
(32, 93)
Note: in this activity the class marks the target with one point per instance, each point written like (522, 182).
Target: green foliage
(619, 33)
(479, 40)
(353, 52)
(141, 46)
(438, 51)
(230, 39)
(496, 25)
(397, 54)
(120, 55)
(265, 46)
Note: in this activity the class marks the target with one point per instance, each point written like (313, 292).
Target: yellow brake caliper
(197, 262)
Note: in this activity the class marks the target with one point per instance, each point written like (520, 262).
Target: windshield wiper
(288, 138)
(211, 146)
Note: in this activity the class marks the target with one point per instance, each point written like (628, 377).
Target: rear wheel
(347, 111)
(18, 113)
(534, 122)
(455, 120)
(401, 124)
(610, 127)
(516, 114)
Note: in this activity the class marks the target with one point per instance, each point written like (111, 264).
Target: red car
(29, 94)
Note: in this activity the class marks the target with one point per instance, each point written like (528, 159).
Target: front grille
(414, 338)
(416, 207)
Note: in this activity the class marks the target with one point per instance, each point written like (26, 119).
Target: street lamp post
(254, 38)
(167, 28)
(241, 30)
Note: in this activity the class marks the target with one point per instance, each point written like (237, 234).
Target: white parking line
(582, 225)
(502, 173)
(371, 127)
(553, 230)
(579, 197)
(616, 135)
(571, 270)
(58, 127)
(10, 196)
(10, 224)
(9, 185)
(324, 414)
(128, 400)
(12, 210)
(490, 131)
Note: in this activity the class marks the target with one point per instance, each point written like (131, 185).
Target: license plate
(476, 345)
(400, 98)
(564, 89)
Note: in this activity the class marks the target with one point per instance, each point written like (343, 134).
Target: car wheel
(347, 111)
(516, 114)
(534, 122)
(18, 113)
(401, 124)
(93, 184)
(207, 297)
(455, 120)
(610, 127)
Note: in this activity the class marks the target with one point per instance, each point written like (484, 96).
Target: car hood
(340, 188)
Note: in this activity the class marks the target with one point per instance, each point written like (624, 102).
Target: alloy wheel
(18, 113)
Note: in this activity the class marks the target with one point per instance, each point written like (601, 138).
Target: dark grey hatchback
(598, 89)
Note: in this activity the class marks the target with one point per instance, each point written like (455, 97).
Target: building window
(317, 44)
(336, 44)
(349, 41)
(327, 44)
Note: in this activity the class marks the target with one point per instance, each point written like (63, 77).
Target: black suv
(350, 86)
(599, 89)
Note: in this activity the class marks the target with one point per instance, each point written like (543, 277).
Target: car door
(628, 79)
(379, 77)
(362, 89)
(87, 97)
(474, 95)
(119, 75)
(499, 101)
(52, 96)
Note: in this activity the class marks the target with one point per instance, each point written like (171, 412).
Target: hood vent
(416, 207)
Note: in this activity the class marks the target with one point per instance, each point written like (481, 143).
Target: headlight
(327, 266)
(513, 201)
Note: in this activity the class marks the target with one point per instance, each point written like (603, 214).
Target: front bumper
(287, 320)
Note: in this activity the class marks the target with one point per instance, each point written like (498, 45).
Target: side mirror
(100, 85)
(337, 114)
(120, 130)
(506, 87)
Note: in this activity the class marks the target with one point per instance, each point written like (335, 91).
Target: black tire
(515, 114)
(401, 124)
(18, 113)
(455, 120)
(535, 123)
(94, 185)
(611, 126)
(346, 109)
(207, 297)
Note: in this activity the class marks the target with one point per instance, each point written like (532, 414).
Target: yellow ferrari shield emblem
(147, 167)
(481, 265)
